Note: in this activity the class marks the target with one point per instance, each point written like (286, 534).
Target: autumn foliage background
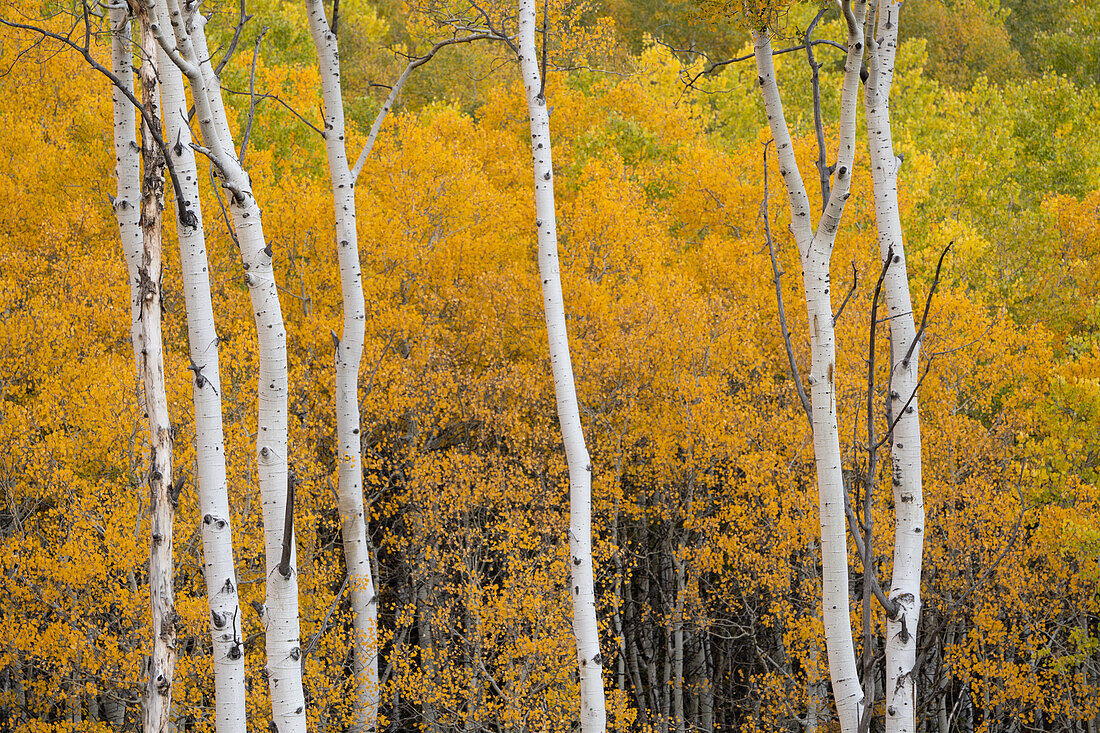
(704, 490)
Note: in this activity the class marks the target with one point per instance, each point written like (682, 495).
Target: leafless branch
(545, 36)
(316, 639)
(927, 305)
(225, 214)
(892, 608)
(185, 215)
(689, 81)
(251, 95)
(288, 525)
(415, 63)
(776, 275)
(870, 575)
(233, 42)
(855, 279)
(276, 98)
(823, 169)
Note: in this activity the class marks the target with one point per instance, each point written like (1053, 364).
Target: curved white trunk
(162, 660)
(593, 716)
(815, 249)
(905, 449)
(280, 617)
(349, 353)
(217, 533)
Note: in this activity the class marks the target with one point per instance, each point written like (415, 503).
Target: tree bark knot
(147, 288)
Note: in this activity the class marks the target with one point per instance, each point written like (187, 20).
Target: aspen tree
(162, 660)
(593, 715)
(349, 345)
(815, 247)
(127, 167)
(348, 355)
(202, 337)
(187, 51)
(139, 229)
(905, 446)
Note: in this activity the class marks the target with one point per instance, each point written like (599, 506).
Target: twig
(278, 99)
(324, 623)
(776, 274)
(232, 43)
(186, 216)
(870, 576)
(225, 214)
(891, 607)
(855, 279)
(890, 431)
(542, 77)
(251, 96)
(927, 305)
(690, 83)
(819, 126)
(1011, 541)
(396, 90)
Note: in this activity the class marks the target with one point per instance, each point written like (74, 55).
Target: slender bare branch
(400, 83)
(251, 96)
(288, 525)
(870, 576)
(233, 42)
(927, 305)
(186, 216)
(711, 68)
(823, 169)
(776, 274)
(277, 98)
(851, 290)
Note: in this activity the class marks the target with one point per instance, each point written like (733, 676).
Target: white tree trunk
(815, 249)
(905, 448)
(127, 168)
(280, 616)
(217, 533)
(349, 354)
(162, 661)
(593, 715)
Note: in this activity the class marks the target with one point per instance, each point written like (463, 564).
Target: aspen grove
(457, 366)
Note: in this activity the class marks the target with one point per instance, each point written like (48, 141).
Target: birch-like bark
(593, 715)
(905, 446)
(280, 613)
(815, 249)
(217, 533)
(349, 354)
(157, 703)
(127, 168)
